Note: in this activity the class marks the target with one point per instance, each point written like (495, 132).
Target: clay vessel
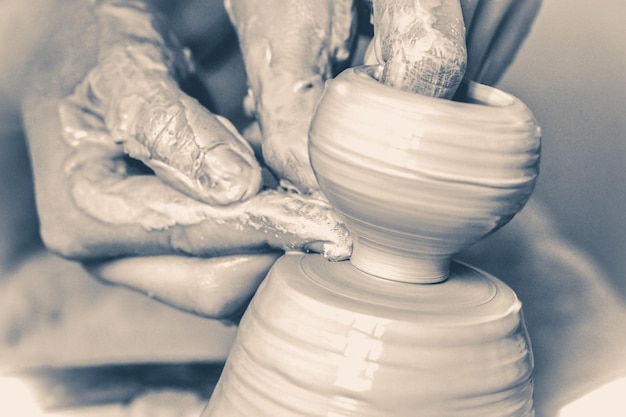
(399, 330)
(417, 178)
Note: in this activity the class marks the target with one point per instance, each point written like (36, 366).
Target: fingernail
(225, 177)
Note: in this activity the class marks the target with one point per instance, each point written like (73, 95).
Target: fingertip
(330, 250)
(225, 177)
(290, 166)
(337, 252)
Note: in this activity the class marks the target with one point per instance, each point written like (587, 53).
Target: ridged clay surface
(417, 178)
(339, 342)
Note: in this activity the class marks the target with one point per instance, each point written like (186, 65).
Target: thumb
(133, 90)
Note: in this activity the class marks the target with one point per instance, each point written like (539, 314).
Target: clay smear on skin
(83, 125)
(130, 103)
(104, 191)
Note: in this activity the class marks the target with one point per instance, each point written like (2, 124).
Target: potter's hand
(424, 47)
(290, 47)
(103, 87)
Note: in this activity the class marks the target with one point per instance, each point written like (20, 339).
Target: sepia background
(572, 73)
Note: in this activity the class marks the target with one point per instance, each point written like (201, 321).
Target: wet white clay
(278, 219)
(290, 48)
(417, 179)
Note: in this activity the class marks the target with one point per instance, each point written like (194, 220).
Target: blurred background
(572, 73)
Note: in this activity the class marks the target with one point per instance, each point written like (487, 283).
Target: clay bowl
(416, 178)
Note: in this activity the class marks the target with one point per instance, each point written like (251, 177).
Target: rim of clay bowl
(479, 104)
(470, 93)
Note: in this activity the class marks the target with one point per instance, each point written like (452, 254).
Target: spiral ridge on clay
(419, 178)
(460, 349)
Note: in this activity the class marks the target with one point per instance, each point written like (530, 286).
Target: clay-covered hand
(430, 46)
(101, 104)
(290, 48)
